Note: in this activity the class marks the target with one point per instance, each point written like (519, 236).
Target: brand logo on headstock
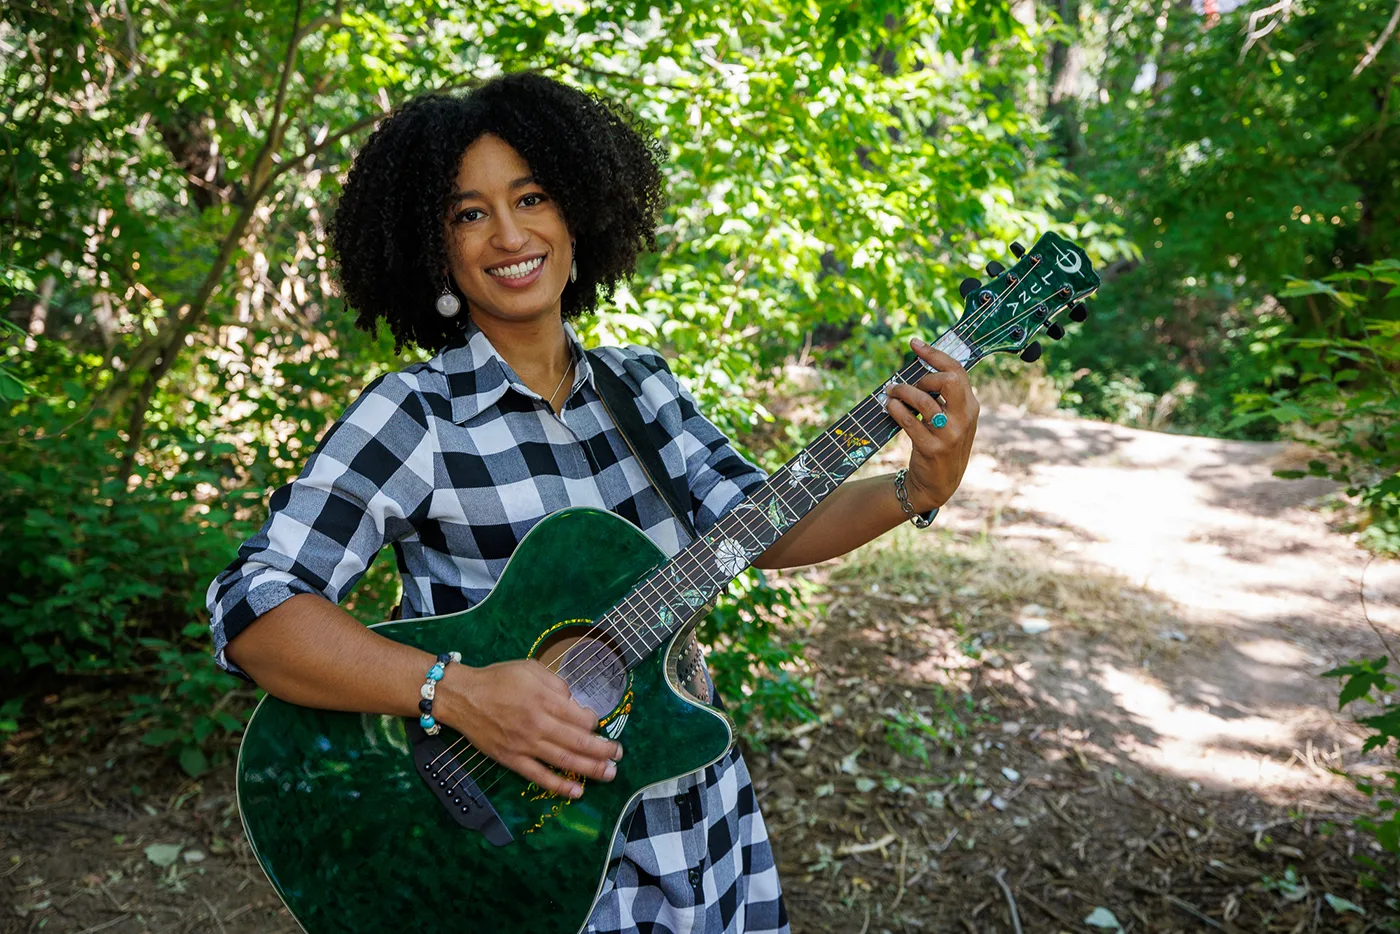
(1067, 261)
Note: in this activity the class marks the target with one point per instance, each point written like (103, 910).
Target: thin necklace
(567, 370)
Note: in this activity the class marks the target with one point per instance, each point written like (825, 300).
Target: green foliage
(1344, 397)
(166, 172)
(912, 729)
(1231, 168)
(186, 713)
(1368, 681)
(757, 675)
(94, 566)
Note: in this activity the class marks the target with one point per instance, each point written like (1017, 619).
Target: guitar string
(599, 655)
(599, 649)
(841, 457)
(679, 565)
(855, 416)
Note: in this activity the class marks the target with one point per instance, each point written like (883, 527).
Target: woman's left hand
(940, 454)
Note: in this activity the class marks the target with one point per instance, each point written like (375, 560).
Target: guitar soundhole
(595, 673)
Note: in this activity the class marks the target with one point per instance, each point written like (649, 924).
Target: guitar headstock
(1004, 314)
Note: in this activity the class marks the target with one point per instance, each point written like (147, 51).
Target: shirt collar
(478, 376)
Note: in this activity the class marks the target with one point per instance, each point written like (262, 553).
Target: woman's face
(508, 248)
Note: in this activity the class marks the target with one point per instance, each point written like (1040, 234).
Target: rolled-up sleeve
(720, 477)
(369, 478)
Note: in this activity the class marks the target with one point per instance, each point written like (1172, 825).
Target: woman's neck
(537, 349)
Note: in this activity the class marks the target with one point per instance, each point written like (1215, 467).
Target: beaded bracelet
(429, 691)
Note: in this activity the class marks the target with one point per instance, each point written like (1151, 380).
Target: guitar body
(355, 841)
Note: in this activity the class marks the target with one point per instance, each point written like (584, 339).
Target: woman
(477, 227)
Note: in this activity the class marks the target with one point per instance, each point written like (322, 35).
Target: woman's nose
(508, 235)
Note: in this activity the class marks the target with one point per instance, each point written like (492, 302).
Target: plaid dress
(451, 462)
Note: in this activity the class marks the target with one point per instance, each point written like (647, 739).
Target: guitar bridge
(456, 790)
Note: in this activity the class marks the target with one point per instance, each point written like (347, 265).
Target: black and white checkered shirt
(451, 462)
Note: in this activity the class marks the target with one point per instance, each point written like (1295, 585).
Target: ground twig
(1189, 908)
(1010, 899)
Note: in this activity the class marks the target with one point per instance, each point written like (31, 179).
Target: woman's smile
(519, 274)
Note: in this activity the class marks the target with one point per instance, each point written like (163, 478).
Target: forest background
(175, 344)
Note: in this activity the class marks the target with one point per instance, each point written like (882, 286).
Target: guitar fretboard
(667, 600)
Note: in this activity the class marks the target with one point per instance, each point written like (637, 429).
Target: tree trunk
(1062, 77)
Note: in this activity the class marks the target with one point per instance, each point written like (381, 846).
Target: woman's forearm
(309, 651)
(855, 513)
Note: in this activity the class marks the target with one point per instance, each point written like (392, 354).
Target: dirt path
(1267, 595)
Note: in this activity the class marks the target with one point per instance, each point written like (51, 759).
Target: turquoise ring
(940, 420)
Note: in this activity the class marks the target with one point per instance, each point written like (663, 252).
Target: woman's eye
(532, 199)
(469, 215)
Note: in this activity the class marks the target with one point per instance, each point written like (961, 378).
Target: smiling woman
(509, 249)
(521, 204)
(525, 202)
(438, 179)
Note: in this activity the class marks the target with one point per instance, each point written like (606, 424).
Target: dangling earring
(448, 304)
(573, 271)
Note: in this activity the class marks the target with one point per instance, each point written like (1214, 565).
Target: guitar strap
(646, 441)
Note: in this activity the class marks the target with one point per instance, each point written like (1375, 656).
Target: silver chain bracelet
(921, 521)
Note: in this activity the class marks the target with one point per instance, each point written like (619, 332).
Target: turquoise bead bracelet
(429, 691)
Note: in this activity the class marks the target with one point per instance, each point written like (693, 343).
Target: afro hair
(592, 156)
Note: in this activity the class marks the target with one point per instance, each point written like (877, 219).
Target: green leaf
(193, 761)
(160, 737)
(1103, 919)
(1342, 905)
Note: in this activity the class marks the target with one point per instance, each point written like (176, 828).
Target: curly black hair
(592, 156)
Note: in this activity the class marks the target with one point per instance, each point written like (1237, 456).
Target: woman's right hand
(522, 715)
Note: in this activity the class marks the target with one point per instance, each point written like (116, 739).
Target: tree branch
(155, 357)
(1375, 49)
(1254, 32)
(369, 120)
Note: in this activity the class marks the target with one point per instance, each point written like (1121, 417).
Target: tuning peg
(1054, 331)
(1031, 353)
(1078, 312)
(1017, 250)
(995, 269)
(969, 285)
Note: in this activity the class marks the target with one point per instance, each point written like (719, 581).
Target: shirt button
(694, 877)
(680, 800)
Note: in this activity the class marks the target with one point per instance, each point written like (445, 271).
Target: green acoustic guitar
(365, 825)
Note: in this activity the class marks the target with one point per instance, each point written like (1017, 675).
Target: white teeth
(518, 270)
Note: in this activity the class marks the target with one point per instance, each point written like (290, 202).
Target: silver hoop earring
(573, 271)
(448, 304)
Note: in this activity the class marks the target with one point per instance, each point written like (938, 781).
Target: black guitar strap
(646, 441)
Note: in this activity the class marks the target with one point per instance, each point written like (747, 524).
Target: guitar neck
(666, 601)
